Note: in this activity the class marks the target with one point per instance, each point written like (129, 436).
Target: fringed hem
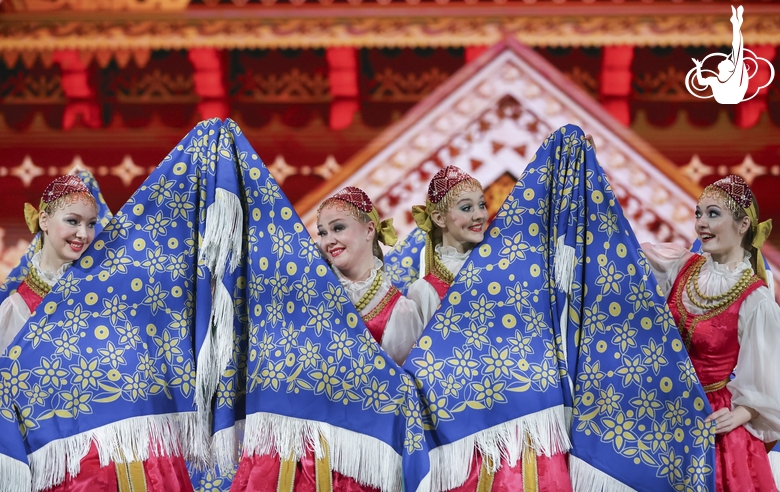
(14, 475)
(451, 463)
(586, 478)
(128, 440)
(774, 461)
(226, 444)
(364, 458)
(565, 259)
(214, 354)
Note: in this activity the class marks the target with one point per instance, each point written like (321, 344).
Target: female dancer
(350, 232)
(455, 218)
(67, 219)
(728, 321)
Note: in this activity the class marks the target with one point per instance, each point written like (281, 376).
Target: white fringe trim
(774, 460)
(586, 478)
(214, 354)
(565, 259)
(451, 463)
(223, 236)
(133, 439)
(367, 460)
(14, 475)
(227, 444)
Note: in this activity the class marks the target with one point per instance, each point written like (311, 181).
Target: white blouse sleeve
(14, 313)
(402, 331)
(425, 297)
(666, 260)
(757, 381)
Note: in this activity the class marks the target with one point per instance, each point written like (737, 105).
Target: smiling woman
(454, 217)
(728, 320)
(350, 232)
(67, 218)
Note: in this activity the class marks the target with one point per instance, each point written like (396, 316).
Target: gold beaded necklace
(716, 301)
(686, 332)
(36, 283)
(366, 299)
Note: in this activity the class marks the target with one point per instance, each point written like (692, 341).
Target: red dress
(260, 473)
(160, 474)
(741, 461)
(552, 472)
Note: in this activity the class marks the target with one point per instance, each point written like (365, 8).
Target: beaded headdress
(61, 186)
(444, 180)
(733, 190)
(358, 199)
(736, 194)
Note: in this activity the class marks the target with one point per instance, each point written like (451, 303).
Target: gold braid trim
(530, 471)
(709, 388)
(485, 478)
(36, 283)
(286, 475)
(442, 271)
(382, 304)
(322, 468)
(131, 477)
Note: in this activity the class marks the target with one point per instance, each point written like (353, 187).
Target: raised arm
(736, 40)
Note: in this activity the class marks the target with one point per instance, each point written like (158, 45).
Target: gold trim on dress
(485, 478)
(382, 304)
(131, 477)
(530, 471)
(36, 283)
(709, 388)
(286, 475)
(322, 468)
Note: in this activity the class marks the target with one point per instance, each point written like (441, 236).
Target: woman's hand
(589, 139)
(727, 420)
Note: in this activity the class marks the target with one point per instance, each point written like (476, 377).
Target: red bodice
(376, 320)
(714, 344)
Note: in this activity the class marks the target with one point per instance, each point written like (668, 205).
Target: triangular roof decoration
(484, 119)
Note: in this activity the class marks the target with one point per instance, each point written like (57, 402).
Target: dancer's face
(718, 232)
(463, 225)
(68, 230)
(346, 242)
